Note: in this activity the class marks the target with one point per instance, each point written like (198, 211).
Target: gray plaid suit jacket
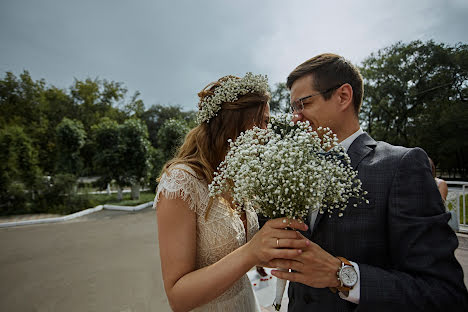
(400, 240)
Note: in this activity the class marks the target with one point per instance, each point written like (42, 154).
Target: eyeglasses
(298, 105)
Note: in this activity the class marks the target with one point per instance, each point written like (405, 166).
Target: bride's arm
(187, 288)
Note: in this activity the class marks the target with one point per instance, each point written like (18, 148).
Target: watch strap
(345, 261)
(343, 289)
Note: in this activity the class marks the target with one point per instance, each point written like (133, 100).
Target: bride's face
(263, 121)
(266, 117)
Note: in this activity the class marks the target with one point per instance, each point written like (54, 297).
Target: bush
(13, 200)
(57, 195)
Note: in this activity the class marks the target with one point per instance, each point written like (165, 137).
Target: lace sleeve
(180, 182)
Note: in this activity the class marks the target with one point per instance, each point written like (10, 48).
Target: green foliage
(14, 199)
(80, 131)
(18, 159)
(20, 100)
(134, 141)
(56, 195)
(71, 137)
(280, 98)
(157, 163)
(416, 94)
(106, 139)
(157, 115)
(171, 135)
(23, 103)
(94, 99)
(135, 107)
(124, 151)
(19, 171)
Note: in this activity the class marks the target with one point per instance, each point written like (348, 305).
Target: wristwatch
(347, 276)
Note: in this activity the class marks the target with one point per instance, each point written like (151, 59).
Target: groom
(395, 253)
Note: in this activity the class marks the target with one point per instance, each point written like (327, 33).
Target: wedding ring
(277, 243)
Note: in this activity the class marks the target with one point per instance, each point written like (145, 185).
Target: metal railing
(457, 192)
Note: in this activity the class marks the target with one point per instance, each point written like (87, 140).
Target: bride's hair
(206, 145)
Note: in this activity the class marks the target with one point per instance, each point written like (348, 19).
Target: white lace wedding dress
(220, 233)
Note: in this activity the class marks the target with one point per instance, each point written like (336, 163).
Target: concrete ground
(106, 261)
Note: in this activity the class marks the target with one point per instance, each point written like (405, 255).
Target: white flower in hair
(229, 90)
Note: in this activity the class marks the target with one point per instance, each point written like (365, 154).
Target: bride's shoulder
(180, 173)
(181, 181)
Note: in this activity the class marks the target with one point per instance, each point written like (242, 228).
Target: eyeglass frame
(298, 105)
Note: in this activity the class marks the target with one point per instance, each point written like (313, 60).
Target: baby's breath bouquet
(287, 170)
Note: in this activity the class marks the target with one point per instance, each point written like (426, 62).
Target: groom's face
(318, 111)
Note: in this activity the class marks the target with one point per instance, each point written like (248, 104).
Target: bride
(207, 247)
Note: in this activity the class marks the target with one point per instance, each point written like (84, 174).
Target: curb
(128, 208)
(77, 214)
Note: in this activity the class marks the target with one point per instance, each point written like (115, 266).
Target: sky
(170, 50)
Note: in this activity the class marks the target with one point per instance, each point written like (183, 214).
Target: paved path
(106, 261)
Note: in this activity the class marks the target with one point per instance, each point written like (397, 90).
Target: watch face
(348, 276)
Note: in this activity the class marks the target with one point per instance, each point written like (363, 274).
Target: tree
(56, 106)
(108, 162)
(137, 153)
(416, 94)
(71, 138)
(22, 103)
(94, 100)
(157, 163)
(171, 135)
(156, 115)
(49, 126)
(19, 170)
(20, 100)
(124, 153)
(135, 107)
(280, 98)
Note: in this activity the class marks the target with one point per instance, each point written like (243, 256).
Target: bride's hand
(268, 243)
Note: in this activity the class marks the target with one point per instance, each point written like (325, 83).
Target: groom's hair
(329, 70)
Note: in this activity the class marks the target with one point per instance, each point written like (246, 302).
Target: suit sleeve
(424, 274)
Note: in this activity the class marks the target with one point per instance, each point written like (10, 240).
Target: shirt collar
(346, 143)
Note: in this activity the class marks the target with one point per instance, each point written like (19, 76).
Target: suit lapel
(358, 150)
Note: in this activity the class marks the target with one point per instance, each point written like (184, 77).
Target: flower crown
(228, 90)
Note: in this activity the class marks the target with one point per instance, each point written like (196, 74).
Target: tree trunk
(136, 191)
(119, 193)
(108, 189)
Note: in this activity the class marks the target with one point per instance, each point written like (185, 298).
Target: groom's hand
(313, 267)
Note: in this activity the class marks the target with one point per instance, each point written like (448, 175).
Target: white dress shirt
(354, 294)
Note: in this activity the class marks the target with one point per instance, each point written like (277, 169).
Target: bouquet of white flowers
(287, 170)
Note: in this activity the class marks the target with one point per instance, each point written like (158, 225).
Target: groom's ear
(345, 95)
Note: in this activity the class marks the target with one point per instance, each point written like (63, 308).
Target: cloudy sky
(169, 50)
